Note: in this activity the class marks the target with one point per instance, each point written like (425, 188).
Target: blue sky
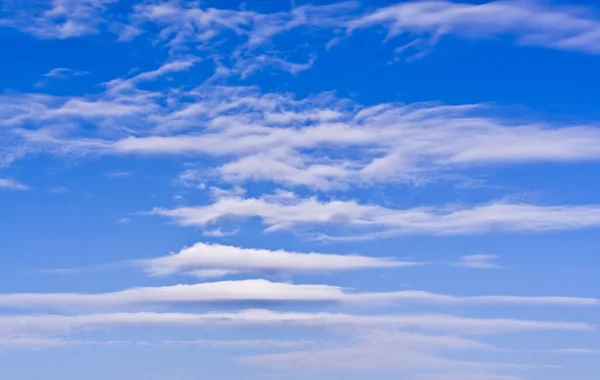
(299, 190)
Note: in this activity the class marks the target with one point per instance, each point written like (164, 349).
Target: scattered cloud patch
(60, 190)
(11, 184)
(202, 256)
(479, 262)
(286, 211)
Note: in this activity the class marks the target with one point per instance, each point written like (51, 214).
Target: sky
(299, 190)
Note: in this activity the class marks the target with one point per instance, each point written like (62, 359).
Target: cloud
(248, 66)
(13, 325)
(118, 174)
(253, 39)
(528, 23)
(479, 262)
(33, 343)
(319, 142)
(575, 351)
(464, 376)
(57, 19)
(263, 344)
(59, 190)
(395, 142)
(183, 25)
(222, 257)
(63, 72)
(379, 347)
(261, 291)
(117, 86)
(384, 352)
(42, 343)
(212, 273)
(219, 233)
(10, 184)
(287, 211)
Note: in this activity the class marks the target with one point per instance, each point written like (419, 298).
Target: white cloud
(368, 221)
(263, 344)
(186, 25)
(212, 273)
(41, 343)
(400, 352)
(465, 376)
(479, 262)
(319, 142)
(575, 351)
(27, 325)
(529, 23)
(260, 291)
(63, 72)
(57, 18)
(60, 190)
(33, 343)
(248, 66)
(118, 174)
(226, 291)
(307, 142)
(11, 184)
(222, 257)
(219, 233)
(177, 65)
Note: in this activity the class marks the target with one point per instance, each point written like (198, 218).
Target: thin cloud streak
(61, 324)
(11, 184)
(263, 291)
(285, 211)
(216, 256)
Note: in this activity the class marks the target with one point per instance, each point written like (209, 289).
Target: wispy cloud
(479, 262)
(186, 25)
(215, 256)
(11, 184)
(43, 343)
(60, 73)
(57, 19)
(59, 190)
(263, 291)
(275, 138)
(61, 324)
(219, 233)
(528, 23)
(465, 376)
(118, 174)
(575, 351)
(399, 352)
(287, 211)
(63, 72)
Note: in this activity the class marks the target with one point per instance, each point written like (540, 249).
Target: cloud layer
(287, 211)
(230, 259)
(262, 291)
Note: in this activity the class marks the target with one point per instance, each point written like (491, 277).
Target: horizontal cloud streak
(286, 211)
(215, 256)
(61, 324)
(11, 184)
(530, 23)
(183, 25)
(263, 291)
